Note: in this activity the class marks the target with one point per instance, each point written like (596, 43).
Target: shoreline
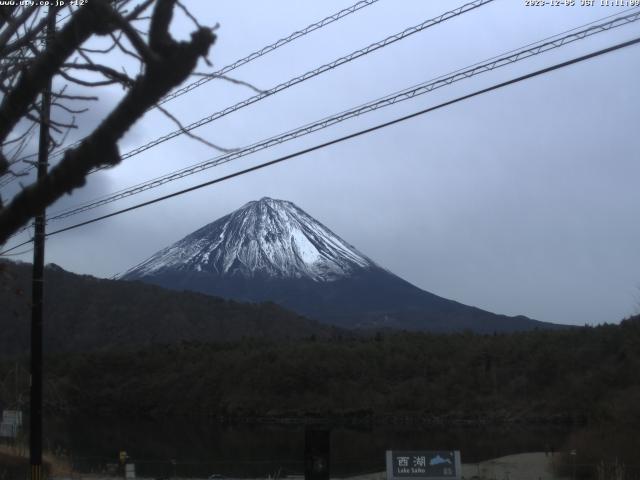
(520, 466)
(560, 420)
(368, 419)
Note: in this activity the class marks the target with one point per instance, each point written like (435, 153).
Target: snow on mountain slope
(271, 251)
(270, 238)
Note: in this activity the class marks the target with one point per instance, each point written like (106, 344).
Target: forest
(573, 376)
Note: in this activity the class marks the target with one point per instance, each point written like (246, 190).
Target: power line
(17, 254)
(228, 68)
(346, 137)
(291, 82)
(6, 252)
(311, 74)
(421, 89)
(599, 28)
(269, 48)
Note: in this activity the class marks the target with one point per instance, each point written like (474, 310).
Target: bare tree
(27, 63)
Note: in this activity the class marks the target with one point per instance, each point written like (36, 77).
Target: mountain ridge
(270, 237)
(271, 250)
(85, 313)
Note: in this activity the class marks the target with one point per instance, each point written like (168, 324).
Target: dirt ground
(523, 466)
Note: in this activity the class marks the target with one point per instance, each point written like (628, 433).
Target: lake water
(192, 448)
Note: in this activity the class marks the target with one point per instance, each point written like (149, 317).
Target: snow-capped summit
(270, 250)
(264, 238)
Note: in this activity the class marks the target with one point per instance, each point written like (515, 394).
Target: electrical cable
(406, 94)
(17, 254)
(309, 75)
(232, 66)
(300, 78)
(269, 48)
(347, 137)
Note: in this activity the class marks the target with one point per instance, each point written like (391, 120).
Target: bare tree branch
(86, 83)
(68, 109)
(28, 37)
(193, 135)
(106, 71)
(125, 50)
(147, 54)
(231, 80)
(15, 24)
(171, 63)
(84, 23)
(188, 14)
(135, 14)
(5, 13)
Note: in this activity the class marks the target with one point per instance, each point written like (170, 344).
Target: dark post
(317, 450)
(37, 287)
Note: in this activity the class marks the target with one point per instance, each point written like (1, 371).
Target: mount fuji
(271, 250)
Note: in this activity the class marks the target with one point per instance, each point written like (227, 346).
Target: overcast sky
(521, 201)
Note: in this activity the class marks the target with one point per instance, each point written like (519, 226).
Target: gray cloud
(522, 201)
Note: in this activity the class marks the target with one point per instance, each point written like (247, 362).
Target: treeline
(84, 313)
(585, 374)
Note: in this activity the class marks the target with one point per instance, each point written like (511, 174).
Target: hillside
(271, 250)
(579, 375)
(84, 313)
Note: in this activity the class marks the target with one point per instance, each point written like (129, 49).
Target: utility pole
(37, 284)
